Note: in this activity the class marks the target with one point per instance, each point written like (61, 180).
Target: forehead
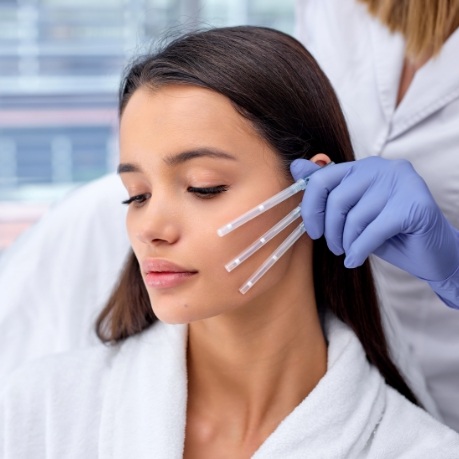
(177, 107)
(178, 118)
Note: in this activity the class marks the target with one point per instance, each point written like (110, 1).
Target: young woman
(298, 366)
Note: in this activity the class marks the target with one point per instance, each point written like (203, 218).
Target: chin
(180, 313)
(185, 307)
(171, 317)
(173, 312)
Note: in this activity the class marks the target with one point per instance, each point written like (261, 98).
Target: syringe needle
(261, 241)
(259, 273)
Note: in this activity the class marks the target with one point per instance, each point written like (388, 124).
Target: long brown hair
(425, 24)
(275, 83)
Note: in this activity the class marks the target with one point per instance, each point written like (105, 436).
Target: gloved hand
(379, 206)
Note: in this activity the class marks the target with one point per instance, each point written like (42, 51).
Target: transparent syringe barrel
(299, 185)
(274, 257)
(261, 241)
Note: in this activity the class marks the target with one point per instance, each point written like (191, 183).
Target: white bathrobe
(129, 401)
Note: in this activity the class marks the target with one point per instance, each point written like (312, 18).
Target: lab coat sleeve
(448, 290)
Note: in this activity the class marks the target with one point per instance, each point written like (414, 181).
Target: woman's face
(190, 164)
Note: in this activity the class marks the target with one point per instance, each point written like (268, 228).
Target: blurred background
(60, 66)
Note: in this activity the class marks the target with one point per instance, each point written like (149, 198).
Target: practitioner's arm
(384, 207)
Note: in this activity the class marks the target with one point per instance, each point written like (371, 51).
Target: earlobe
(321, 159)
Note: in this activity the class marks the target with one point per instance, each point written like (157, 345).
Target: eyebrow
(174, 160)
(127, 167)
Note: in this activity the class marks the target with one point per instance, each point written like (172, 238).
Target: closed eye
(207, 192)
(137, 200)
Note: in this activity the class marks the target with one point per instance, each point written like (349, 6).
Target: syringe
(298, 186)
(260, 242)
(269, 262)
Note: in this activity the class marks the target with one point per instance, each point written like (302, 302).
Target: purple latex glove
(380, 206)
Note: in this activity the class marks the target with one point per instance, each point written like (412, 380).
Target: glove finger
(365, 211)
(301, 168)
(382, 228)
(341, 201)
(313, 206)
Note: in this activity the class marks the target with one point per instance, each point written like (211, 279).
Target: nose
(156, 223)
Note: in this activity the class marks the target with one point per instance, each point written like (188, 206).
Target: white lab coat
(130, 401)
(364, 61)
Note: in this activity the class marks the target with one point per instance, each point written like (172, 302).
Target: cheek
(216, 291)
(131, 230)
(221, 250)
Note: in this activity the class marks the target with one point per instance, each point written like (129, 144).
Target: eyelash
(207, 192)
(201, 193)
(137, 200)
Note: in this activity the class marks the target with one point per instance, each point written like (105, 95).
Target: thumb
(301, 168)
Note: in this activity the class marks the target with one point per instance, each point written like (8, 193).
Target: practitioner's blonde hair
(425, 24)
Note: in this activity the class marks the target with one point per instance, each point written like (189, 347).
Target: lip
(160, 273)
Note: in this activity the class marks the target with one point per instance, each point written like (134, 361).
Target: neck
(256, 369)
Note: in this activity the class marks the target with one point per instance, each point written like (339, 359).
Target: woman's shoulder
(387, 424)
(53, 377)
(79, 367)
(47, 404)
(69, 405)
(405, 430)
(81, 376)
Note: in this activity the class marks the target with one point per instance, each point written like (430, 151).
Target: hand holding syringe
(369, 206)
(299, 185)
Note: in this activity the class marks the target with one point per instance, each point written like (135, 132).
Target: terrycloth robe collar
(144, 412)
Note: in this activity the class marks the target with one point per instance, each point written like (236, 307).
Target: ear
(321, 159)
